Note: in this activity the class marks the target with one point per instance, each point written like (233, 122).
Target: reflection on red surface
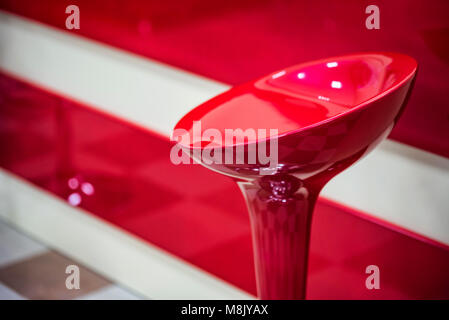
(49, 140)
(236, 41)
(306, 96)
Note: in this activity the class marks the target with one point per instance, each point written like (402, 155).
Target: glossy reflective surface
(315, 135)
(47, 140)
(328, 114)
(303, 95)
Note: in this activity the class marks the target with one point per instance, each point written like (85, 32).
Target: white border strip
(400, 184)
(397, 183)
(104, 248)
(144, 91)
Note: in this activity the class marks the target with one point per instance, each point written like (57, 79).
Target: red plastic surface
(328, 114)
(239, 40)
(123, 174)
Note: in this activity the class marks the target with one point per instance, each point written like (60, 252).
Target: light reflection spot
(336, 84)
(87, 188)
(74, 199)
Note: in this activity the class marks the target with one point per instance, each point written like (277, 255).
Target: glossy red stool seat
(327, 114)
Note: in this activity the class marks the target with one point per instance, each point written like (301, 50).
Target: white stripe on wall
(144, 91)
(398, 183)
